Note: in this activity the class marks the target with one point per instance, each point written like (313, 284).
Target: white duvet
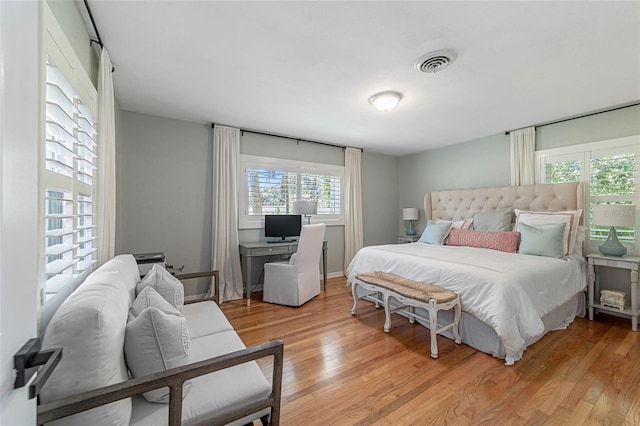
(509, 292)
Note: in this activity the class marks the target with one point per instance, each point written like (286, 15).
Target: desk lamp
(306, 208)
(613, 215)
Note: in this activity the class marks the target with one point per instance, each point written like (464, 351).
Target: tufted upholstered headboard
(459, 204)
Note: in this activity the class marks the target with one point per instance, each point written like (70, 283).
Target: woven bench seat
(412, 294)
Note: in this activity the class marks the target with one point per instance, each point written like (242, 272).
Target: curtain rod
(213, 125)
(580, 116)
(95, 28)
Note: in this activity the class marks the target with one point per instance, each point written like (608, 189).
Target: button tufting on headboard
(464, 203)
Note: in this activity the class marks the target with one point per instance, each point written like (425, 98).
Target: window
(70, 160)
(68, 168)
(609, 170)
(271, 185)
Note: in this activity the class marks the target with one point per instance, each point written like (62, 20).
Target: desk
(263, 249)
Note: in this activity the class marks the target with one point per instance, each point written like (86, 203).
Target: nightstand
(630, 263)
(408, 238)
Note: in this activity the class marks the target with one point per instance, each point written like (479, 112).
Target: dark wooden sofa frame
(175, 378)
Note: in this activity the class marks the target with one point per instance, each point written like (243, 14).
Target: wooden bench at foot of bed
(412, 294)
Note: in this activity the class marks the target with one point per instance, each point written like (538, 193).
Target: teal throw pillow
(435, 233)
(542, 242)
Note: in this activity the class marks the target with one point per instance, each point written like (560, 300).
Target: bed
(509, 300)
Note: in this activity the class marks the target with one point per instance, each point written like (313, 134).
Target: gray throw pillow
(155, 341)
(497, 221)
(542, 242)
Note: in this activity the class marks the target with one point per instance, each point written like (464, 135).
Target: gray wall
(164, 186)
(165, 181)
(478, 163)
(486, 161)
(379, 198)
(608, 125)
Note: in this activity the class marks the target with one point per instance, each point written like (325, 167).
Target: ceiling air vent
(436, 61)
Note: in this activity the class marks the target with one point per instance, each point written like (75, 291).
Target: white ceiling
(307, 69)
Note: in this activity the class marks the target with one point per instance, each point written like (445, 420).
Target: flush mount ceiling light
(384, 101)
(436, 61)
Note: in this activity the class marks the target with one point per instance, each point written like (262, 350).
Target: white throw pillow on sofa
(154, 342)
(165, 284)
(149, 297)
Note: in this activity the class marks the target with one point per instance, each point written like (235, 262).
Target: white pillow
(154, 342)
(149, 297)
(165, 284)
(457, 224)
(548, 219)
(580, 237)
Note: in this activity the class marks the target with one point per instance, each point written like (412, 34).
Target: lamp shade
(614, 215)
(305, 207)
(410, 213)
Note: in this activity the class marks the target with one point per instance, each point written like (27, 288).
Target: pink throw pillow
(504, 241)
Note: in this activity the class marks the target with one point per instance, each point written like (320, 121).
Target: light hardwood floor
(344, 370)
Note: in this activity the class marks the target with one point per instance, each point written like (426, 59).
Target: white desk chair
(297, 281)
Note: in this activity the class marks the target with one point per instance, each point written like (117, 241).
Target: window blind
(272, 185)
(70, 151)
(610, 174)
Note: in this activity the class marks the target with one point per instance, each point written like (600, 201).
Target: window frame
(82, 194)
(585, 153)
(246, 221)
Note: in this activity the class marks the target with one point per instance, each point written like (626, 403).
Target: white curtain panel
(226, 255)
(523, 150)
(352, 205)
(106, 174)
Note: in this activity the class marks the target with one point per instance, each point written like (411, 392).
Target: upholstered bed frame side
(460, 204)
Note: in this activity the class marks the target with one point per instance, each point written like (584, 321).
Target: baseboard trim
(258, 287)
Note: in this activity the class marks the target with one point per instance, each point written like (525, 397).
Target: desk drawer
(262, 251)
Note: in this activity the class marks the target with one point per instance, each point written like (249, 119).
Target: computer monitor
(282, 226)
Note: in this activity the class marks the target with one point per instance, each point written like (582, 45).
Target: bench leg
(387, 313)
(457, 309)
(412, 311)
(378, 297)
(433, 326)
(355, 297)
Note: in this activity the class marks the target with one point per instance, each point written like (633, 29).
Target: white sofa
(227, 386)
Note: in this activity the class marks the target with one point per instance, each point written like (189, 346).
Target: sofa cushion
(127, 266)
(205, 318)
(156, 341)
(165, 284)
(149, 297)
(90, 328)
(226, 388)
